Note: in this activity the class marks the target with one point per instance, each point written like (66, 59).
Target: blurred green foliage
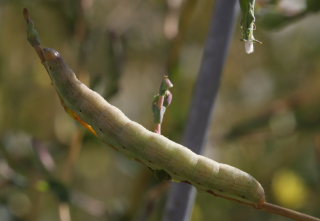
(266, 120)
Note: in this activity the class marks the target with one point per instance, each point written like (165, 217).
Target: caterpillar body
(152, 149)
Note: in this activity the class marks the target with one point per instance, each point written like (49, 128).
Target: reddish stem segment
(160, 102)
(160, 105)
(292, 214)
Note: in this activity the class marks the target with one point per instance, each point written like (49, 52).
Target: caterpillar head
(50, 54)
(53, 61)
(57, 68)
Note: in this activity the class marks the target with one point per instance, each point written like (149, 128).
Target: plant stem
(271, 208)
(160, 102)
(181, 199)
(160, 105)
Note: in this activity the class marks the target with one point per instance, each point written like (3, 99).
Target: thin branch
(292, 214)
(248, 24)
(160, 107)
(160, 103)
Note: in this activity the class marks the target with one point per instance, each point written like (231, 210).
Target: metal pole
(181, 196)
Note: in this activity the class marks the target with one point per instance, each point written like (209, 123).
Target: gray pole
(181, 196)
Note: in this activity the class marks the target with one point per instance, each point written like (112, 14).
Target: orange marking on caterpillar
(78, 118)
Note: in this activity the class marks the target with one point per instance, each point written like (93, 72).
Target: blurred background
(266, 120)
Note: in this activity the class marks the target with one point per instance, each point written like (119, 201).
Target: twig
(248, 24)
(271, 208)
(160, 102)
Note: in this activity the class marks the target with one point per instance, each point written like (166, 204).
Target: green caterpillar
(165, 157)
(151, 149)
